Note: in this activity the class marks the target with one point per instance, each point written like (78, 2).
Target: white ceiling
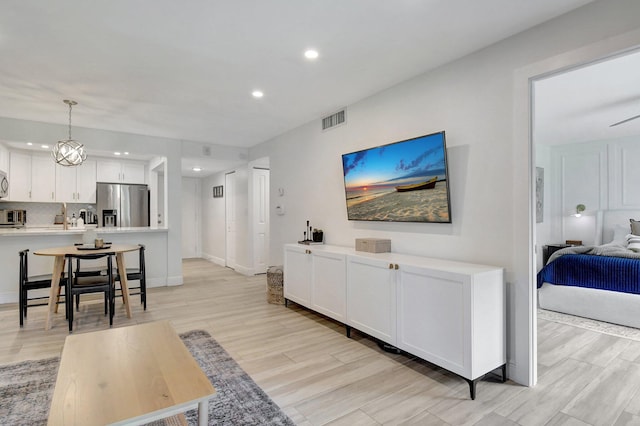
(580, 105)
(186, 69)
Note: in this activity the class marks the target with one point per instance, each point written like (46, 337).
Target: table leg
(122, 271)
(203, 413)
(58, 267)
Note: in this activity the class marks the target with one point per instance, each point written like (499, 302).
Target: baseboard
(214, 259)
(244, 270)
(8, 297)
(172, 281)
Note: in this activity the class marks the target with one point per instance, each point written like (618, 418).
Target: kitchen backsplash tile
(45, 213)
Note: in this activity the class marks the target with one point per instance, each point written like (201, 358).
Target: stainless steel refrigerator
(122, 205)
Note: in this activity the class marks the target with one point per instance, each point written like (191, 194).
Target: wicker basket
(275, 281)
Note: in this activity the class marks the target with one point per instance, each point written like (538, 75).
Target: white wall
(482, 103)
(543, 229)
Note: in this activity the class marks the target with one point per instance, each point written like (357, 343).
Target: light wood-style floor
(319, 376)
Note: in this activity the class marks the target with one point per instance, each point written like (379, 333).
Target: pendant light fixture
(68, 152)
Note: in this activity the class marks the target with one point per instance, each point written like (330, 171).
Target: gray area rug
(590, 324)
(26, 389)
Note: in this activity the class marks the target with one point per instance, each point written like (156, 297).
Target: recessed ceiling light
(197, 169)
(257, 94)
(126, 153)
(29, 143)
(116, 153)
(311, 54)
(44, 146)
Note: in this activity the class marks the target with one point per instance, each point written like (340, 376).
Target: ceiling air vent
(334, 120)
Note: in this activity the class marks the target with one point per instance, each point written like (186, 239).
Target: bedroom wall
(599, 174)
(479, 101)
(543, 229)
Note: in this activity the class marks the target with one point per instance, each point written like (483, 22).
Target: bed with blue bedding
(599, 282)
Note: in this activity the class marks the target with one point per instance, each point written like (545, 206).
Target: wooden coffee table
(129, 375)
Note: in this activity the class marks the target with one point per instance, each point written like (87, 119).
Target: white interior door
(260, 220)
(190, 218)
(230, 219)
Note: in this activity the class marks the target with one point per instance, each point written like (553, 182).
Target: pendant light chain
(70, 106)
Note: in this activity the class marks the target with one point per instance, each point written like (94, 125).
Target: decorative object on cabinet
(317, 235)
(373, 245)
(69, 152)
(539, 195)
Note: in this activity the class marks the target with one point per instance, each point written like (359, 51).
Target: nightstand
(549, 249)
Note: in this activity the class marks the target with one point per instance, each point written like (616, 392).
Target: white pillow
(634, 246)
(620, 234)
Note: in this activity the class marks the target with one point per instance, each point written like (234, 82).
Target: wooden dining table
(61, 254)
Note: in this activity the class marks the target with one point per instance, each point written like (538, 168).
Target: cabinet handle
(78, 195)
(307, 251)
(396, 266)
(391, 266)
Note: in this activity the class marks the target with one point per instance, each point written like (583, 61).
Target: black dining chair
(137, 274)
(78, 285)
(29, 283)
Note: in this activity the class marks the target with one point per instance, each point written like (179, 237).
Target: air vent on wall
(334, 120)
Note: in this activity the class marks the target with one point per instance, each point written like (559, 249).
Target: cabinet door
(328, 284)
(371, 297)
(66, 184)
(432, 312)
(20, 177)
(86, 182)
(297, 275)
(108, 171)
(43, 178)
(133, 172)
(4, 159)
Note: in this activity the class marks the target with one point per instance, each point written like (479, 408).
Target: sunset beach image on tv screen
(404, 181)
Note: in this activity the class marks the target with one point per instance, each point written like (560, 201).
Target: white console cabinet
(452, 314)
(316, 279)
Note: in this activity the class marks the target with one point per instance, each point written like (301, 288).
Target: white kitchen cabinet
(4, 159)
(371, 297)
(31, 177)
(452, 314)
(76, 184)
(114, 171)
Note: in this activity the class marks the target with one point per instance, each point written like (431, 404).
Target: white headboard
(613, 218)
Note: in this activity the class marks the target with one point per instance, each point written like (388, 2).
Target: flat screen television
(405, 181)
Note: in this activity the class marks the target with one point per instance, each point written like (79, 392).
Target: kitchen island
(13, 240)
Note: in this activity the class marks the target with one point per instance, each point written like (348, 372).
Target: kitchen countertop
(57, 230)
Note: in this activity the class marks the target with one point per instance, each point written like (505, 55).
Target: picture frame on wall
(218, 191)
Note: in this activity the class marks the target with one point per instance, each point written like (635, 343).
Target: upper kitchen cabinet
(31, 177)
(76, 184)
(4, 158)
(121, 171)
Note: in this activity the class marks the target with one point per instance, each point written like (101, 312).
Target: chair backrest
(24, 267)
(141, 254)
(90, 256)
